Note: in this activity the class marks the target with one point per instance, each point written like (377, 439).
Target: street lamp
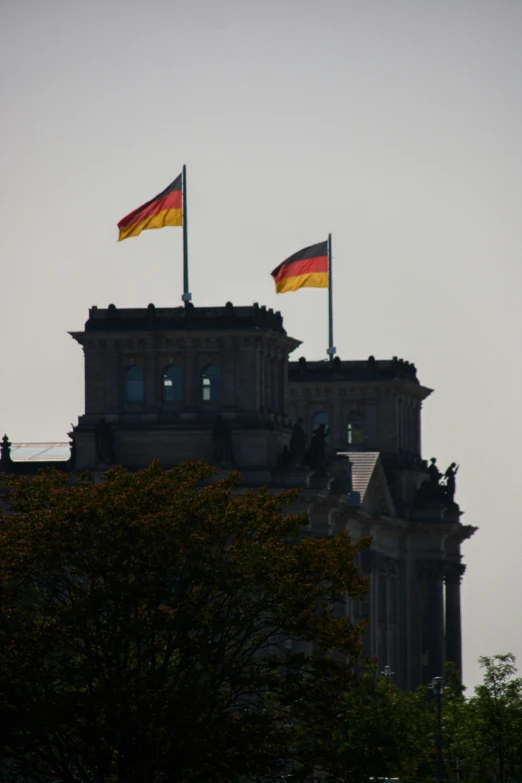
(437, 686)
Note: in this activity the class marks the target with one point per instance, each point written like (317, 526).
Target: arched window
(172, 384)
(133, 384)
(355, 429)
(322, 418)
(211, 383)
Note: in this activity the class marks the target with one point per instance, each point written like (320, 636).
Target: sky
(393, 124)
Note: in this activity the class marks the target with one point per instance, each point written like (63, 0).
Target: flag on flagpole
(162, 210)
(307, 268)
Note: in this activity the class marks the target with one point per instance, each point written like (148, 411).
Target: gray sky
(394, 124)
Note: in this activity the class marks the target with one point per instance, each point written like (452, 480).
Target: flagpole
(331, 349)
(187, 296)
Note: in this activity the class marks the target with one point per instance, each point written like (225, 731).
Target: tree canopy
(150, 629)
(482, 735)
(167, 625)
(382, 732)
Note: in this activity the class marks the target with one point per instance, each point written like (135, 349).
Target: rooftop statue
(438, 488)
(5, 453)
(434, 474)
(451, 482)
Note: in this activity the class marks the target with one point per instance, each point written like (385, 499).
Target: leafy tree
(382, 732)
(146, 624)
(483, 735)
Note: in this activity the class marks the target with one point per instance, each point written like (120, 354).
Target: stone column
(410, 654)
(407, 424)
(433, 620)
(367, 608)
(112, 378)
(410, 438)
(192, 377)
(274, 394)
(382, 617)
(256, 397)
(228, 380)
(281, 373)
(337, 433)
(95, 376)
(418, 430)
(151, 380)
(284, 382)
(453, 640)
(370, 424)
(400, 424)
(262, 378)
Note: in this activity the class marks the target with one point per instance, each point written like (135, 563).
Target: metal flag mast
(187, 296)
(331, 349)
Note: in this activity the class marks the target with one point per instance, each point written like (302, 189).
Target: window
(355, 429)
(211, 383)
(322, 418)
(133, 384)
(172, 384)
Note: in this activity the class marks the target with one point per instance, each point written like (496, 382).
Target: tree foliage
(382, 732)
(145, 623)
(482, 735)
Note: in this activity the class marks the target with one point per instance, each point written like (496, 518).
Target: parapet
(370, 369)
(185, 318)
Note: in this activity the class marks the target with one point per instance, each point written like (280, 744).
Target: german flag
(306, 269)
(163, 210)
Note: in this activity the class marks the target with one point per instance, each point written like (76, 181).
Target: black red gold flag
(308, 268)
(162, 210)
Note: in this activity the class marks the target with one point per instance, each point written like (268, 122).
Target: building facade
(218, 384)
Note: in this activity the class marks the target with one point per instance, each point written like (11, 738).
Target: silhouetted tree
(145, 623)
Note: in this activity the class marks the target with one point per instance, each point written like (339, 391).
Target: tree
(482, 735)
(381, 732)
(145, 628)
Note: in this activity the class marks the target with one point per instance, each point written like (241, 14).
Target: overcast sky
(394, 124)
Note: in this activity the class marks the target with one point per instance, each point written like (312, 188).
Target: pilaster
(453, 640)
(432, 618)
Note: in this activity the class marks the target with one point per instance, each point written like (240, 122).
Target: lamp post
(437, 686)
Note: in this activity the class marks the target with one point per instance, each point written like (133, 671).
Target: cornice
(369, 390)
(271, 343)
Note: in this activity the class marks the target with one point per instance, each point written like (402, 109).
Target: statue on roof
(434, 474)
(438, 488)
(451, 482)
(5, 454)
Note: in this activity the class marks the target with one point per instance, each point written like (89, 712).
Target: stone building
(217, 384)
